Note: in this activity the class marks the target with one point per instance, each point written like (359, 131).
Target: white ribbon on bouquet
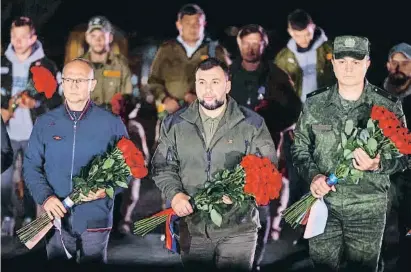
(317, 219)
(68, 203)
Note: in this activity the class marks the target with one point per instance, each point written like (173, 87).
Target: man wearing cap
(172, 73)
(263, 87)
(111, 70)
(398, 83)
(356, 212)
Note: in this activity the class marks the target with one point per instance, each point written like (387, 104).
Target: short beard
(217, 104)
(398, 79)
(254, 59)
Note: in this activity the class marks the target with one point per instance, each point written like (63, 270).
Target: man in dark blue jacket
(64, 140)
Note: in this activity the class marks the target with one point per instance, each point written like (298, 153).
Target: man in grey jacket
(211, 135)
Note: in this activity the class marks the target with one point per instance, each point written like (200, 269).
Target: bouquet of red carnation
(254, 180)
(383, 135)
(44, 81)
(108, 171)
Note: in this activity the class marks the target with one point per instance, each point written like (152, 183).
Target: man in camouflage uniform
(195, 143)
(357, 212)
(307, 56)
(172, 73)
(111, 70)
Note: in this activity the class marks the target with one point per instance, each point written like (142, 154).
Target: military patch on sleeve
(112, 73)
(318, 91)
(385, 94)
(322, 127)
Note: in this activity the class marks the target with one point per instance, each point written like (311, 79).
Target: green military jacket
(183, 163)
(317, 136)
(173, 73)
(287, 61)
(113, 77)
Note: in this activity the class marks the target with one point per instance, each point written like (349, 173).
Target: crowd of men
(288, 108)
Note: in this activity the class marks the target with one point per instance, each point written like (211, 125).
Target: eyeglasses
(79, 81)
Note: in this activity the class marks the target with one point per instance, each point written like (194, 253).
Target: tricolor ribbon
(171, 237)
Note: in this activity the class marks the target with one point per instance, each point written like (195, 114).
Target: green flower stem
(33, 225)
(297, 205)
(150, 225)
(29, 234)
(148, 221)
(28, 226)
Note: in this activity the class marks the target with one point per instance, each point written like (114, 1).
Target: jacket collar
(232, 115)
(334, 97)
(86, 109)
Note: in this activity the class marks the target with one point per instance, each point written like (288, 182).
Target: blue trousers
(87, 247)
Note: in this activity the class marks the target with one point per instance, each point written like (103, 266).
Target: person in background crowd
(172, 73)
(6, 150)
(112, 72)
(263, 87)
(307, 56)
(398, 83)
(19, 111)
(140, 118)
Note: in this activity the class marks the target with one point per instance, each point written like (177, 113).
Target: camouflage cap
(351, 46)
(99, 22)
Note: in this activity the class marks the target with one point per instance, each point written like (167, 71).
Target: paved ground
(133, 253)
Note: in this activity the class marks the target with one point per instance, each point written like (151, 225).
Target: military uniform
(113, 76)
(357, 212)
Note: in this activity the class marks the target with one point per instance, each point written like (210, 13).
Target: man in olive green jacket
(171, 78)
(357, 212)
(111, 70)
(307, 56)
(211, 135)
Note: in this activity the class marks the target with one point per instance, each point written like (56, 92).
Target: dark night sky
(384, 24)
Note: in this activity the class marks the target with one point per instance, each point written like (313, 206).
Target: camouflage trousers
(352, 236)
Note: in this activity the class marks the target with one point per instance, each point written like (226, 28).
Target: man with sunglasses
(62, 142)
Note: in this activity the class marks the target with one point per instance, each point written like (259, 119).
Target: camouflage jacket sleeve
(222, 54)
(165, 164)
(394, 165)
(303, 147)
(156, 79)
(263, 144)
(126, 87)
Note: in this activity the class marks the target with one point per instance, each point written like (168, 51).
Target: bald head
(82, 65)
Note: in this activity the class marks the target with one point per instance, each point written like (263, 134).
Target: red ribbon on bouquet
(171, 241)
